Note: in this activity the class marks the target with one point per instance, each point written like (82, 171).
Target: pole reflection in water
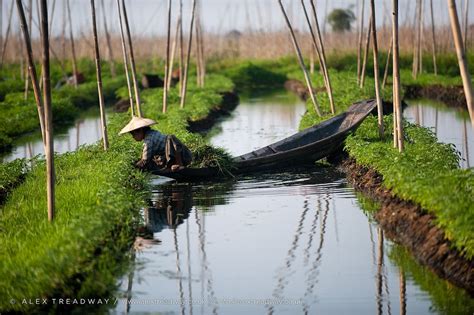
(449, 125)
(256, 244)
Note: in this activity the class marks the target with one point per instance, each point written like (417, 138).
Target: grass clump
(11, 174)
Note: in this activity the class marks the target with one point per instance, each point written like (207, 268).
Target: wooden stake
(32, 68)
(173, 53)
(466, 77)
(466, 24)
(132, 61)
(110, 54)
(387, 64)
(376, 69)
(186, 66)
(420, 38)
(51, 17)
(30, 18)
(103, 122)
(181, 47)
(167, 62)
(435, 66)
(315, 45)
(359, 45)
(301, 61)
(48, 113)
(323, 58)
(366, 55)
(125, 60)
(397, 115)
(73, 48)
(5, 43)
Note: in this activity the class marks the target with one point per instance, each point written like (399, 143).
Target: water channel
(294, 242)
(300, 241)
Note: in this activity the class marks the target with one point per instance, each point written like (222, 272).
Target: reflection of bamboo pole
(433, 41)
(132, 61)
(103, 122)
(178, 269)
(186, 66)
(323, 57)
(366, 55)
(301, 61)
(403, 299)
(397, 115)
(32, 68)
(465, 144)
(190, 291)
(125, 59)
(379, 278)
(167, 62)
(376, 69)
(48, 117)
(110, 55)
(7, 35)
(359, 44)
(466, 77)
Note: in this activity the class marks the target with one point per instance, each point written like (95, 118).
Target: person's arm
(146, 155)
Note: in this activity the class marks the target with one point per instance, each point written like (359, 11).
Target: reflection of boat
(307, 146)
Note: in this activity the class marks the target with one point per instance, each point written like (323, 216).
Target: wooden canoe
(307, 146)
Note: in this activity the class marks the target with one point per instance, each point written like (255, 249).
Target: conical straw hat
(137, 123)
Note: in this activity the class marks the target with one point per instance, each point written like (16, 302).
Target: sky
(148, 17)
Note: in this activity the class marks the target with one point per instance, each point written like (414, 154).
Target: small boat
(306, 146)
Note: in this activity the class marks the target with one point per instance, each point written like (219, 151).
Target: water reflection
(449, 125)
(86, 130)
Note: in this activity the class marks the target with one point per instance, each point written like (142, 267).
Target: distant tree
(341, 19)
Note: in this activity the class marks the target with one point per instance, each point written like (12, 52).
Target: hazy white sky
(149, 16)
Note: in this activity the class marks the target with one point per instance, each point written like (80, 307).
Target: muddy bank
(229, 102)
(452, 96)
(408, 224)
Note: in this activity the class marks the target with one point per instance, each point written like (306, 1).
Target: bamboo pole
(433, 38)
(1, 24)
(167, 62)
(48, 113)
(359, 44)
(51, 17)
(30, 18)
(387, 64)
(366, 55)
(376, 69)
(7, 35)
(63, 32)
(186, 66)
(301, 61)
(421, 38)
(323, 58)
(103, 122)
(466, 77)
(73, 47)
(110, 54)
(466, 23)
(202, 54)
(181, 47)
(32, 67)
(173, 53)
(132, 61)
(318, 49)
(398, 130)
(125, 59)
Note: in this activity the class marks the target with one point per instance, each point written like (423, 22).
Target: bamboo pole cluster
(397, 107)
(301, 60)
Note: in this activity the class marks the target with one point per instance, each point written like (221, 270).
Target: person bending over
(159, 150)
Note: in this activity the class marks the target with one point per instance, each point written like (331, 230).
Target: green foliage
(341, 19)
(11, 174)
(254, 75)
(411, 174)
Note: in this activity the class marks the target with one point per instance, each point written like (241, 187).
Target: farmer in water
(159, 150)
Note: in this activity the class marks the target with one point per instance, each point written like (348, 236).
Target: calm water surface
(282, 243)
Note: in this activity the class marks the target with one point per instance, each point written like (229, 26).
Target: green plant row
(98, 195)
(426, 172)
